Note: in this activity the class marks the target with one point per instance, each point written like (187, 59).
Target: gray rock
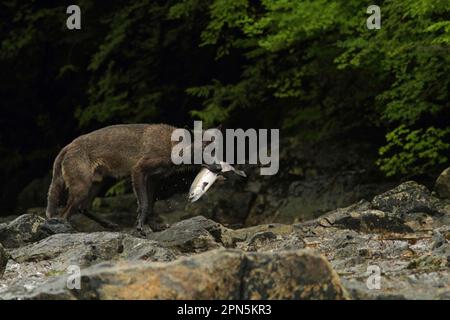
(360, 217)
(409, 197)
(438, 239)
(66, 249)
(192, 235)
(22, 230)
(373, 221)
(270, 242)
(29, 228)
(404, 232)
(35, 264)
(262, 236)
(85, 249)
(143, 249)
(259, 239)
(246, 234)
(4, 256)
(302, 274)
(54, 226)
(442, 185)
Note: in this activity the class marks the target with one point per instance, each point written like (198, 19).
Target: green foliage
(318, 62)
(310, 67)
(219, 100)
(413, 150)
(119, 188)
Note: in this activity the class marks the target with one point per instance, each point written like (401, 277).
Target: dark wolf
(142, 151)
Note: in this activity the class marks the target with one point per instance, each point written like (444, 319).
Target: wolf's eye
(204, 185)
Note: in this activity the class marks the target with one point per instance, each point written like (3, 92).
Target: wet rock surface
(4, 256)
(395, 246)
(442, 185)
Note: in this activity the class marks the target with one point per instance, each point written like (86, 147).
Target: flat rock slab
(85, 249)
(368, 221)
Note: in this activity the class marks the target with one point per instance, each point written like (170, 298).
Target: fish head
(200, 190)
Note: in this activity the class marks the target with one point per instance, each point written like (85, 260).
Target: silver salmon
(206, 178)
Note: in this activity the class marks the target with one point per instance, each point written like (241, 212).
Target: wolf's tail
(57, 185)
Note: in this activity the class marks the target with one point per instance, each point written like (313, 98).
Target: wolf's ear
(220, 127)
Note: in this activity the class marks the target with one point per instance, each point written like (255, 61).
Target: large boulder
(29, 228)
(301, 274)
(442, 185)
(218, 274)
(192, 235)
(409, 197)
(415, 205)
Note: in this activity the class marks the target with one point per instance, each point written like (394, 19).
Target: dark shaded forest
(311, 68)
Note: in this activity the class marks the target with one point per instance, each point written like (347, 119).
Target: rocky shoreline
(402, 233)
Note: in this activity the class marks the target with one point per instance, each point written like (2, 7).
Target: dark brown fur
(141, 151)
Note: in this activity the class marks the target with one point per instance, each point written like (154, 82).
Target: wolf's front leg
(139, 183)
(144, 178)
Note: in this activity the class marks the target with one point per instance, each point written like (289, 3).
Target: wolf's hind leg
(78, 196)
(102, 222)
(74, 203)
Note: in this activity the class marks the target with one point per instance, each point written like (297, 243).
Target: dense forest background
(311, 68)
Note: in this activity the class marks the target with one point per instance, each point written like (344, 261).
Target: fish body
(202, 182)
(206, 178)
